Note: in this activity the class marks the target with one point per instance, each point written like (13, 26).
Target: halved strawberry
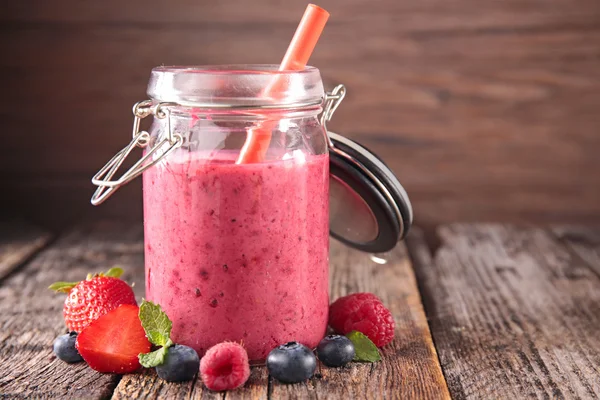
(93, 297)
(112, 342)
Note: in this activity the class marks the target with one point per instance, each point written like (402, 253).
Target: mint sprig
(365, 350)
(158, 326)
(154, 358)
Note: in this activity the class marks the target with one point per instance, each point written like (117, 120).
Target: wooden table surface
(514, 312)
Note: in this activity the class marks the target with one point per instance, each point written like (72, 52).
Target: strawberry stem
(65, 287)
(62, 287)
(114, 272)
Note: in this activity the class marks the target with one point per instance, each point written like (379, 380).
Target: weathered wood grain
(584, 241)
(31, 318)
(409, 370)
(31, 315)
(433, 15)
(494, 102)
(19, 241)
(513, 313)
(148, 385)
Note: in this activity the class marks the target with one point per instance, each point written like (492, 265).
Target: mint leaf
(364, 348)
(114, 272)
(156, 324)
(153, 358)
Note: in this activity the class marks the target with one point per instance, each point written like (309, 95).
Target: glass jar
(238, 251)
(236, 177)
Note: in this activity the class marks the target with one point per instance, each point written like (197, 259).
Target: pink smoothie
(239, 252)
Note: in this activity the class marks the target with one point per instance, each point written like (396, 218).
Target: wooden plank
(19, 241)
(148, 385)
(410, 94)
(433, 15)
(31, 315)
(409, 368)
(584, 241)
(435, 87)
(513, 313)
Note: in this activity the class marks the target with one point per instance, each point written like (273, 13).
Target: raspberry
(363, 312)
(225, 366)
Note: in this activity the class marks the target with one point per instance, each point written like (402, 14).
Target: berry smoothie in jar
(238, 250)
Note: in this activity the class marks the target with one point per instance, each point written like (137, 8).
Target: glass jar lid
(369, 208)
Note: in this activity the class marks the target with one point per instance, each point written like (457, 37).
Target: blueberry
(64, 348)
(291, 362)
(335, 350)
(181, 364)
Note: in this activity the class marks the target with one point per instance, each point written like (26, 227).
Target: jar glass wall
(239, 251)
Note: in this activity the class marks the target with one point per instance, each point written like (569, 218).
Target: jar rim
(235, 86)
(234, 69)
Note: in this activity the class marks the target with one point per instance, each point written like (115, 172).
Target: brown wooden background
(487, 110)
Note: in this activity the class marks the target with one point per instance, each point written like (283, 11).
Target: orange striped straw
(299, 51)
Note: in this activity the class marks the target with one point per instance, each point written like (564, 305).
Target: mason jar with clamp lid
(242, 186)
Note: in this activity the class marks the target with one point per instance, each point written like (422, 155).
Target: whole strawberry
(363, 312)
(92, 298)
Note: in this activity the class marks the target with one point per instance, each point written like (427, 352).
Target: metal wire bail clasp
(103, 179)
(332, 102)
